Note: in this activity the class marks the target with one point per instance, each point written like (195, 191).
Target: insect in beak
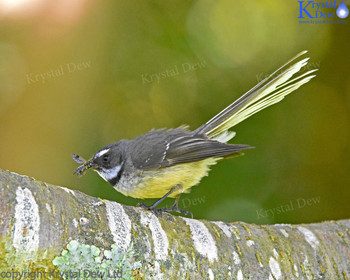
(80, 171)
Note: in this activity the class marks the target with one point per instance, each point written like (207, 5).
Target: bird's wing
(190, 149)
(162, 148)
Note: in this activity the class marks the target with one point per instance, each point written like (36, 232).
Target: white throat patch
(109, 174)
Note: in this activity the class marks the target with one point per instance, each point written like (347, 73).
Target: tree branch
(38, 220)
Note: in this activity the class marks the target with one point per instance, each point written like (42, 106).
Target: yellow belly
(156, 183)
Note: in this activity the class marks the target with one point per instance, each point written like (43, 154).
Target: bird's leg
(160, 200)
(173, 208)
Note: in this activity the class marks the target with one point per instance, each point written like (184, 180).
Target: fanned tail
(269, 91)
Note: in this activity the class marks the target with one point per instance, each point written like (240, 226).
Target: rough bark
(38, 220)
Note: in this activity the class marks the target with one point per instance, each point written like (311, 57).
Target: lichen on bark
(38, 220)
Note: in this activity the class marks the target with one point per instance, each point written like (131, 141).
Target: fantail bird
(167, 162)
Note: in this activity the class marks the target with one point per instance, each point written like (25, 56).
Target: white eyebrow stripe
(101, 153)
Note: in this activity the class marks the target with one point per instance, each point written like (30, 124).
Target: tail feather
(269, 91)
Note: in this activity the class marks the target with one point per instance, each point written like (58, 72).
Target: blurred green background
(77, 75)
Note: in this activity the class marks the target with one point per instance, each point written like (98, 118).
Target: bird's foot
(173, 208)
(146, 207)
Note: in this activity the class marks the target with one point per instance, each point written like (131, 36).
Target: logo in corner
(342, 11)
(324, 12)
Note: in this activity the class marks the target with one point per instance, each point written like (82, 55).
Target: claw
(140, 204)
(174, 208)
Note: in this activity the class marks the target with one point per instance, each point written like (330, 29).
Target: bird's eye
(105, 158)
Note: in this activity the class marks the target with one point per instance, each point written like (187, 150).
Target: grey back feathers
(162, 148)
